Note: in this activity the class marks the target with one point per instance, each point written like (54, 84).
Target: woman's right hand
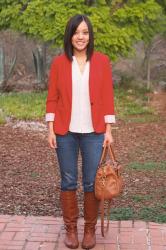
(52, 139)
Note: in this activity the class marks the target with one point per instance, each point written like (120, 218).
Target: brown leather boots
(91, 206)
(70, 216)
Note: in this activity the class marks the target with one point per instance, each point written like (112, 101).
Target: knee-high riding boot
(70, 216)
(91, 207)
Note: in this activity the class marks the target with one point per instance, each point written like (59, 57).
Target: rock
(35, 126)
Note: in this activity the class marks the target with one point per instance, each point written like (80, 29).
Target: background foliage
(117, 23)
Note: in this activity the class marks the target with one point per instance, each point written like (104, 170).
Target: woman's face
(80, 39)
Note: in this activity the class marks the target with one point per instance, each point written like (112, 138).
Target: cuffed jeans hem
(88, 188)
(85, 189)
(68, 189)
(75, 189)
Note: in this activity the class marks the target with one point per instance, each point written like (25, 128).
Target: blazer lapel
(92, 77)
(68, 77)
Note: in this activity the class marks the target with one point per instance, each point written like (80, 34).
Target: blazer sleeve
(52, 97)
(108, 95)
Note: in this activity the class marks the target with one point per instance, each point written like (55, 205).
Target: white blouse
(81, 120)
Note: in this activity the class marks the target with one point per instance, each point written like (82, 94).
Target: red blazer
(59, 99)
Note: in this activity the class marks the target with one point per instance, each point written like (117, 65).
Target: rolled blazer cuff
(109, 118)
(50, 117)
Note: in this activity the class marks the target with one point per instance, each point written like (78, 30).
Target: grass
(139, 198)
(154, 214)
(2, 118)
(34, 175)
(148, 166)
(23, 106)
(123, 213)
(142, 118)
(130, 105)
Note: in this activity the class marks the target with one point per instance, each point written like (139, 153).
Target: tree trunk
(2, 67)
(148, 74)
(146, 63)
(44, 54)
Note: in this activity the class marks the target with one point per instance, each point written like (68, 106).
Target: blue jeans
(68, 146)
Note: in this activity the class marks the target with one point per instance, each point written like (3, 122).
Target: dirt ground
(29, 173)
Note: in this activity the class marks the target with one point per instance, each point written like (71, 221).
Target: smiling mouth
(81, 43)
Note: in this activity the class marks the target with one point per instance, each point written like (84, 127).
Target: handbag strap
(103, 232)
(107, 149)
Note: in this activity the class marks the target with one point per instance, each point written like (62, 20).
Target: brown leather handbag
(108, 181)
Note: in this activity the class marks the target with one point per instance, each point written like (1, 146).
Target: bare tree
(149, 48)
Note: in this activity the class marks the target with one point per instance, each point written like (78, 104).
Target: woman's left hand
(108, 139)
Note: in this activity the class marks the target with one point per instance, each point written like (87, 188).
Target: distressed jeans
(68, 146)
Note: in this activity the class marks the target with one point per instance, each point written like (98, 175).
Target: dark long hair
(71, 27)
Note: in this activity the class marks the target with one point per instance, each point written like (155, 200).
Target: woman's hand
(51, 136)
(52, 139)
(108, 138)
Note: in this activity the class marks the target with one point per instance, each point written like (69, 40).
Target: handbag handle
(106, 149)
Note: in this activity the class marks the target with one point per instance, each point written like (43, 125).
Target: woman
(79, 112)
